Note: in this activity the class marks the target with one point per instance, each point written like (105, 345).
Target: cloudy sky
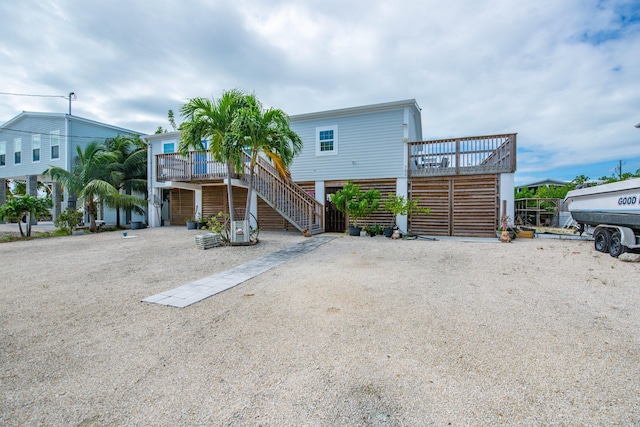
(564, 75)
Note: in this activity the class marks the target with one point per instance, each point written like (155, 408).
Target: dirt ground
(361, 331)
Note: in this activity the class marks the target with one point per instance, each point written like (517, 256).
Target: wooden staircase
(285, 196)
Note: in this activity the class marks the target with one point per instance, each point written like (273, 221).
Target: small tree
(24, 207)
(355, 203)
(400, 205)
(68, 220)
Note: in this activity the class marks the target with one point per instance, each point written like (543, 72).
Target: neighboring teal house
(31, 142)
(462, 180)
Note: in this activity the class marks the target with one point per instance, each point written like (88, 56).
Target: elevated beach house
(462, 180)
(32, 142)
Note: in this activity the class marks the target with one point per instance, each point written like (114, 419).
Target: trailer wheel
(616, 248)
(602, 239)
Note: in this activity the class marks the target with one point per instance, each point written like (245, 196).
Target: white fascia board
(411, 103)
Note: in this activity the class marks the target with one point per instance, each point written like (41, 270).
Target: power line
(10, 131)
(34, 95)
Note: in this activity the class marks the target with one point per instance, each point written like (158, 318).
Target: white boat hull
(617, 203)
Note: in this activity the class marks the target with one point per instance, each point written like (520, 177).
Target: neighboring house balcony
(493, 154)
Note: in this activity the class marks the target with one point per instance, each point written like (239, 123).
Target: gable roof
(372, 108)
(25, 114)
(161, 136)
(547, 181)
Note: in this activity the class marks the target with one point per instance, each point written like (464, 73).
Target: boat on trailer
(614, 210)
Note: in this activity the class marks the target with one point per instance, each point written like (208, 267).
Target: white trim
(405, 126)
(333, 152)
(386, 106)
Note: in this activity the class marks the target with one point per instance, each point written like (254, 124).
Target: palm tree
(212, 120)
(89, 178)
(27, 207)
(268, 132)
(128, 173)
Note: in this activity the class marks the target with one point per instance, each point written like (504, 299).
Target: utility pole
(619, 169)
(72, 97)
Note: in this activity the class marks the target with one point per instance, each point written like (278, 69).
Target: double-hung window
(55, 144)
(35, 147)
(17, 151)
(326, 140)
(3, 153)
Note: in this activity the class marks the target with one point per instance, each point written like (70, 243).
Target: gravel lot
(361, 331)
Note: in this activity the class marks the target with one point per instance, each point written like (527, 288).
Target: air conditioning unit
(240, 232)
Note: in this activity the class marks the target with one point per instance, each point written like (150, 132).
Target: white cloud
(562, 74)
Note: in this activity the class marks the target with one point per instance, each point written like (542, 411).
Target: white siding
(156, 146)
(370, 146)
(25, 129)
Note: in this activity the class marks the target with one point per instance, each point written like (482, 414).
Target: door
(334, 220)
(200, 160)
(465, 206)
(182, 205)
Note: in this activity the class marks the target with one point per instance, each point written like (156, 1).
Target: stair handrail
(306, 204)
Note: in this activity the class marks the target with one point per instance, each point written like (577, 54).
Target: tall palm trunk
(252, 163)
(20, 227)
(91, 208)
(232, 215)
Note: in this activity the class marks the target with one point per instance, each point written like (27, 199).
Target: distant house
(462, 180)
(533, 186)
(31, 142)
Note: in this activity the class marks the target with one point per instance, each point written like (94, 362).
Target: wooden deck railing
(195, 166)
(463, 156)
(285, 196)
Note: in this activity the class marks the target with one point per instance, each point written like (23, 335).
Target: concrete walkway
(193, 292)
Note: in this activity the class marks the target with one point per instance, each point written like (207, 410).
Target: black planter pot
(136, 225)
(191, 225)
(354, 231)
(388, 231)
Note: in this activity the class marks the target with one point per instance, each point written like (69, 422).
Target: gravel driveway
(361, 331)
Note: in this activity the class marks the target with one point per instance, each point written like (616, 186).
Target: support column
(56, 198)
(32, 190)
(32, 185)
(402, 189)
(198, 201)
(507, 193)
(3, 193)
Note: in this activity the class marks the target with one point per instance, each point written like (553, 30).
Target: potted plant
(505, 232)
(356, 204)
(374, 230)
(191, 223)
(400, 205)
(200, 223)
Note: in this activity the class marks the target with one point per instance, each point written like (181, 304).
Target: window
(326, 140)
(3, 153)
(17, 151)
(35, 146)
(55, 145)
(168, 147)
